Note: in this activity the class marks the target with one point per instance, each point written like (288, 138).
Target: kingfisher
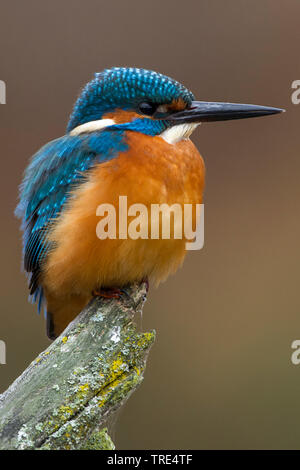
(128, 134)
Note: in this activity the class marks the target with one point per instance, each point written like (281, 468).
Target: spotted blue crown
(124, 88)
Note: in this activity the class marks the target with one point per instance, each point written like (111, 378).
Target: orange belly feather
(151, 172)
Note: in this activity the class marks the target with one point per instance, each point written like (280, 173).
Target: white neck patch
(176, 133)
(92, 126)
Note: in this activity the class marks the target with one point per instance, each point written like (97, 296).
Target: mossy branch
(65, 396)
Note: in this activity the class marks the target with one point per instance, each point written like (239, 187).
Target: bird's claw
(110, 293)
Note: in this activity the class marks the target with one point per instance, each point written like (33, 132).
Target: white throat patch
(176, 133)
(92, 126)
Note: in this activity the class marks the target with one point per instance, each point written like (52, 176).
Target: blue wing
(54, 171)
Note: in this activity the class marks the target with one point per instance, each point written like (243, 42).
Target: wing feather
(54, 171)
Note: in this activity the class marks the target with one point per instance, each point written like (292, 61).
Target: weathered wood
(65, 396)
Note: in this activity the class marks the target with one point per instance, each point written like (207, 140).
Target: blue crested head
(149, 102)
(141, 91)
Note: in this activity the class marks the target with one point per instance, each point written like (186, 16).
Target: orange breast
(152, 172)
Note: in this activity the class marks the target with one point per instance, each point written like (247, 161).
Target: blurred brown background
(220, 374)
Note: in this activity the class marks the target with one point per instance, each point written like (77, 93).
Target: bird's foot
(109, 293)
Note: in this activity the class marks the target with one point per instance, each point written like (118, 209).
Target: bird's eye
(148, 108)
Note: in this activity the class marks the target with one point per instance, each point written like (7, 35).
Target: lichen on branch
(65, 396)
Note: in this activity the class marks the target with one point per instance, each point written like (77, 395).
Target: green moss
(99, 440)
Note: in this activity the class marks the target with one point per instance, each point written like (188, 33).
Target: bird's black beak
(203, 111)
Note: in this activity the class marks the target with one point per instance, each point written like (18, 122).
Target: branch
(65, 396)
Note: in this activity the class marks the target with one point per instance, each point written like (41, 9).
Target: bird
(128, 134)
